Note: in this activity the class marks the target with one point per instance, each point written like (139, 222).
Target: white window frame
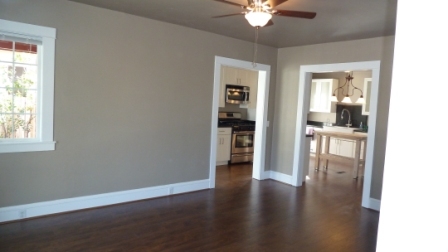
(44, 136)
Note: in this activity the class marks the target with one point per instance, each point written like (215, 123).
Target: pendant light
(349, 82)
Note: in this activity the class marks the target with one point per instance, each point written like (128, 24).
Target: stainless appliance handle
(246, 96)
(244, 132)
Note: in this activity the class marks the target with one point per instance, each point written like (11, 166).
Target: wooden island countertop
(351, 136)
(324, 155)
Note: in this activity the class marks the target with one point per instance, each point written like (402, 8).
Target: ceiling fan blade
(232, 3)
(297, 14)
(228, 15)
(274, 3)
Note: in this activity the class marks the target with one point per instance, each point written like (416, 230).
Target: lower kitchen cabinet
(343, 147)
(223, 143)
(339, 146)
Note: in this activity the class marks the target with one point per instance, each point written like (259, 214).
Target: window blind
(21, 43)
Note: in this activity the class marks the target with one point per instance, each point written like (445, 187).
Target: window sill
(26, 147)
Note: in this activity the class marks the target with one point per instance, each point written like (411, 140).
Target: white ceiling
(336, 20)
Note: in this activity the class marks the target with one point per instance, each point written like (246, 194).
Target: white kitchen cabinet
(343, 147)
(223, 143)
(253, 85)
(321, 92)
(225, 72)
(366, 93)
(242, 77)
(313, 146)
(346, 148)
(236, 76)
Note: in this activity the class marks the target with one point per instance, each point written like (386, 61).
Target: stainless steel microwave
(237, 94)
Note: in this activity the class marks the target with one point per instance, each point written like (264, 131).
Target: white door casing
(261, 114)
(303, 104)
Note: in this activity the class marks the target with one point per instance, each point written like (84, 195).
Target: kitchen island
(323, 154)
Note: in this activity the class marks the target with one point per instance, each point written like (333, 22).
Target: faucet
(349, 122)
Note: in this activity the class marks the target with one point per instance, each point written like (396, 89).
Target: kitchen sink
(339, 129)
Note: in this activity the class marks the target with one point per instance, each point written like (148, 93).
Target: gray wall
(288, 64)
(126, 112)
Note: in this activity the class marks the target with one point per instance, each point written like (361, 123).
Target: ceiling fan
(259, 12)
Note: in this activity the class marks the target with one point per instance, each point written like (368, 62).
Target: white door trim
(264, 72)
(303, 104)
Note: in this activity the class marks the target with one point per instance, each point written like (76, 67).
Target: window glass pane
(18, 90)
(367, 96)
(7, 125)
(324, 96)
(24, 125)
(5, 50)
(25, 77)
(5, 101)
(5, 75)
(25, 103)
(25, 53)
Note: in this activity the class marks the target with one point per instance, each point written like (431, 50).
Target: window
(26, 87)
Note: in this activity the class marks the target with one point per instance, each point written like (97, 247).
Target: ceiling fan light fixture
(258, 19)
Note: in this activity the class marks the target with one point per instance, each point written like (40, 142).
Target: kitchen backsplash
(356, 115)
(235, 108)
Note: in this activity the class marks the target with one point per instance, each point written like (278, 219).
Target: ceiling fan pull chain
(254, 63)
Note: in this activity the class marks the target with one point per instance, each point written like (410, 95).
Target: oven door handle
(243, 132)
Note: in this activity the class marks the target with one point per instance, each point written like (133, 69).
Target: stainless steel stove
(243, 135)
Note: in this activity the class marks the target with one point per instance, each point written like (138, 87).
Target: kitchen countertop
(352, 136)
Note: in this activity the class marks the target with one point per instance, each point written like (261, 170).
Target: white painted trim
(27, 29)
(374, 204)
(261, 114)
(266, 175)
(44, 129)
(65, 205)
(302, 110)
(281, 177)
(27, 147)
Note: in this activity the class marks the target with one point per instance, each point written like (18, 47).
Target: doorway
(260, 114)
(306, 73)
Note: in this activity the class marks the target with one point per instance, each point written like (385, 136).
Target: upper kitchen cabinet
(366, 91)
(236, 76)
(242, 77)
(321, 92)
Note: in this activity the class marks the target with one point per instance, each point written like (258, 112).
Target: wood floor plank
(240, 214)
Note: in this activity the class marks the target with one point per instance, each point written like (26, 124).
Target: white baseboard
(281, 177)
(374, 204)
(65, 205)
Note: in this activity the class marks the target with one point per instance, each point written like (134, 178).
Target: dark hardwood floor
(240, 214)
